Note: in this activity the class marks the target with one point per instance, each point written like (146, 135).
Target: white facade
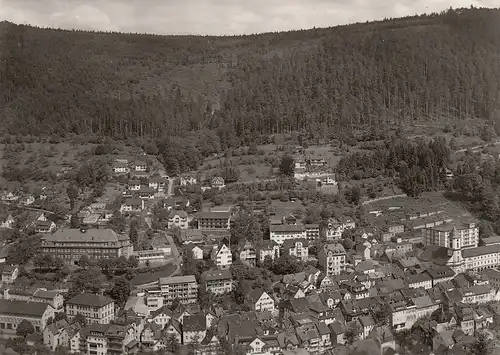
(264, 303)
(223, 257)
(280, 233)
(333, 258)
(335, 228)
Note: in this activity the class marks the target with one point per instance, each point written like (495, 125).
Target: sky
(214, 17)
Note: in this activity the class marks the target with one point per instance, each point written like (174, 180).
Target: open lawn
(282, 209)
(148, 277)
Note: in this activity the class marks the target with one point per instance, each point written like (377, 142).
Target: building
(108, 339)
(71, 244)
(335, 228)
(298, 248)
(493, 277)
(420, 280)
(120, 167)
(178, 219)
(218, 281)
(440, 274)
(261, 301)
(191, 236)
(187, 180)
(14, 312)
(333, 258)
(494, 239)
(281, 232)
(406, 313)
(481, 258)
(218, 183)
(134, 185)
(146, 193)
(267, 248)
(132, 205)
(441, 235)
(195, 251)
(45, 226)
(248, 254)
(95, 308)
(33, 294)
(157, 183)
(214, 221)
(183, 288)
(10, 274)
(194, 329)
(312, 231)
(140, 166)
(222, 255)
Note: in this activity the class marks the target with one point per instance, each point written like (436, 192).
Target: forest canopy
(320, 80)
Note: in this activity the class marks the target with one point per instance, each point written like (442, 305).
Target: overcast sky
(214, 17)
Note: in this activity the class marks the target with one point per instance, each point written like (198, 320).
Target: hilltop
(320, 80)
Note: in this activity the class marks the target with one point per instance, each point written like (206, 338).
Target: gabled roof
(216, 275)
(194, 323)
(255, 295)
(21, 308)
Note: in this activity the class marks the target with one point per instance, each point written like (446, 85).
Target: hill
(320, 80)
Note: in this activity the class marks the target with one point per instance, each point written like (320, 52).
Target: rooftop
(216, 275)
(81, 235)
(90, 299)
(177, 280)
(21, 308)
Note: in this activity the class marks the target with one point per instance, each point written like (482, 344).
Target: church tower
(456, 261)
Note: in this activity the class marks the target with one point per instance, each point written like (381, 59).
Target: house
(95, 308)
(218, 182)
(132, 205)
(157, 183)
(45, 226)
(367, 325)
(214, 221)
(247, 254)
(10, 274)
(193, 236)
(110, 338)
(120, 167)
(440, 274)
(140, 166)
(419, 280)
(336, 227)
(194, 329)
(312, 231)
(146, 193)
(267, 248)
(281, 232)
(218, 281)
(187, 180)
(337, 331)
(62, 334)
(195, 250)
(298, 248)
(8, 222)
(178, 219)
(134, 185)
(27, 200)
(13, 312)
(222, 255)
(332, 257)
(261, 301)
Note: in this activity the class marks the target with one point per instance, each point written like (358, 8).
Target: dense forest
(320, 80)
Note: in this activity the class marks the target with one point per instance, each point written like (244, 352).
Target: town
(178, 264)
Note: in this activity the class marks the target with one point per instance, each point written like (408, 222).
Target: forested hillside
(123, 85)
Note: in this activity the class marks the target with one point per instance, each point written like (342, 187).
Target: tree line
(238, 88)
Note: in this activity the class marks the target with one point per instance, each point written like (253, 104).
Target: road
(28, 208)
(477, 147)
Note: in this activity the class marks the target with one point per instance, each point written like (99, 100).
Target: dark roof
(90, 299)
(76, 235)
(290, 243)
(216, 275)
(194, 323)
(214, 215)
(30, 309)
(286, 228)
(440, 272)
(484, 250)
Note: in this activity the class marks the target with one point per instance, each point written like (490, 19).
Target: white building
(298, 248)
(222, 256)
(183, 288)
(281, 232)
(179, 219)
(335, 228)
(441, 235)
(333, 258)
(261, 301)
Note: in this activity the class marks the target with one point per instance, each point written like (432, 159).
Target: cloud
(214, 17)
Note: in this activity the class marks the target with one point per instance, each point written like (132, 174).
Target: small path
(28, 208)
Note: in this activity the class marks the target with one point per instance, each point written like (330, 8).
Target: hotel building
(183, 288)
(333, 258)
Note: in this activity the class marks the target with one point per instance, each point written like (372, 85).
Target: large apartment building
(71, 244)
(218, 281)
(214, 220)
(333, 258)
(281, 232)
(107, 339)
(95, 308)
(442, 235)
(183, 288)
